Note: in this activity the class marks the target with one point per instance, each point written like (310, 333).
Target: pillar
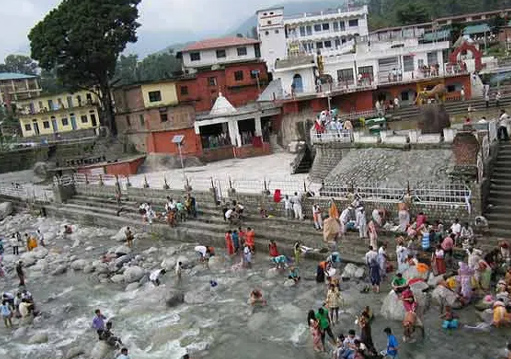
(258, 129)
(234, 133)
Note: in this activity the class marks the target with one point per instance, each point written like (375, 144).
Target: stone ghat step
(498, 215)
(499, 208)
(207, 207)
(501, 176)
(500, 232)
(302, 227)
(281, 235)
(350, 251)
(495, 199)
(502, 186)
(500, 224)
(500, 195)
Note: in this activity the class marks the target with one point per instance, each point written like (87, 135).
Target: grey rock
(118, 278)
(101, 350)
(133, 274)
(74, 352)
(88, 269)
(174, 299)
(38, 338)
(119, 262)
(121, 250)
(61, 269)
(6, 209)
(132, 286)
(79, 264)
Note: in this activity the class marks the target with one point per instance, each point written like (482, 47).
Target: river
(219, 326)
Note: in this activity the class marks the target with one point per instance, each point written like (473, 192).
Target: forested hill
(386, 13)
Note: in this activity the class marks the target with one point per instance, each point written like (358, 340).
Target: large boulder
(28, 259)
(133, 274)
(393, 308)
(413, 273)
(61, 269)
(40, 252)
(120, 236)
(101, 350)
(444, 296)
(174, 298)
(79, 264)
(119, 262)
(41, 170)
(38, 338)
(74, 352)
(122, 250)
(184, 260)
(132, 286)
(352, 271)
(168, 263)
(118, 278)
(5, 210)
(88, 269)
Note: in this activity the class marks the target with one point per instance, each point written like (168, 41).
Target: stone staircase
(499, 209)
(325, 161)
(209, 227)
(302, 162)
(453, 108)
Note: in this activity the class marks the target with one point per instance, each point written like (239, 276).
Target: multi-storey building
(16, 87)
(231, 66)
(57, 114)
(149, 115)
(327, 32)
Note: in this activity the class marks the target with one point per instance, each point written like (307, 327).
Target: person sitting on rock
(294, 274)
(399, 283)
(256, 298)
(68, 229)
(107, 336)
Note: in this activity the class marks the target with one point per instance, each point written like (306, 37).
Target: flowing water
(220, 326)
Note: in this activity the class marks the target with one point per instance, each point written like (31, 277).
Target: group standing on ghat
(426, 250)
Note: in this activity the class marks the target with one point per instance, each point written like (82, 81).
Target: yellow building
(47, 115)
(159, 94)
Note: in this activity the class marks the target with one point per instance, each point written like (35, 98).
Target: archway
(297, 83)
(464, 48)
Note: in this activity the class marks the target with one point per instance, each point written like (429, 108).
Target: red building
(231, 66)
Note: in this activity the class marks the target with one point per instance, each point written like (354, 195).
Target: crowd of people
(173, 212)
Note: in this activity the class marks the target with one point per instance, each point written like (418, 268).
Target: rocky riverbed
(69, 281)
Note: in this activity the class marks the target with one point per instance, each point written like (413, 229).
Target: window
(83, 118)
(353, 23)
(405, 96)
(309, 29)
(408, 63)
(420, 63)
(70, 101)
(46, 124)
(269, 22)
(220, 54)
(183, 90)
(79, 99)
(64, 121)
(41, 107)
(336, 26)
(194, 56)
(154, 96)
(366, 72)
(319, 45)
(50, 105)
(342, 25)
(345, 75)
(328, 43)
(128, 122)
(27, 127)
(242, 51)
(254, 74)
(163, 115)
(276, 31)
(267, 33)
(337, 42)
(432, 58)
(142, 120)
(238, 76)
(257, 50)
(302, 30)
(326, 26)
(317, 27)
(211, 81)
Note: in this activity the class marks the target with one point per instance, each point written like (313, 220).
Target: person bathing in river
(107, 335)
(272, 247)
(154, 277)
(98, 322)
(294, 274)
(281, 261)
(256, 298)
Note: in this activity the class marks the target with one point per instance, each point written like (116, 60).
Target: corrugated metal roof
(14, 76)
(476, 29)
(437, 35)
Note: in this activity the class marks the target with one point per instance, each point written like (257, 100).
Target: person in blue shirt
(235, 241)
(392, 344)
(6, 313)
(123, 354)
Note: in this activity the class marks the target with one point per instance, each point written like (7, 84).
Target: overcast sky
(164, 22)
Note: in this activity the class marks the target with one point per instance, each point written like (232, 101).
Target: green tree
(82, 39)
(126, 71)
(412, 13)
(19, 64)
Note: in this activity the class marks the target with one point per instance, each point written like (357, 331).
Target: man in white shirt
(297, 206)
(456, 228)
(502, 132)
(344, 218)
(178, 270)
(40, 237)
(155, 276)
(371, 256)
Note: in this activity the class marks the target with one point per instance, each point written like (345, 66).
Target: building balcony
(348, 33)
(26, 111)
(351, 12)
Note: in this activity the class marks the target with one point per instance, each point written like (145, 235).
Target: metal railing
(344, 136)
(429, 193)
